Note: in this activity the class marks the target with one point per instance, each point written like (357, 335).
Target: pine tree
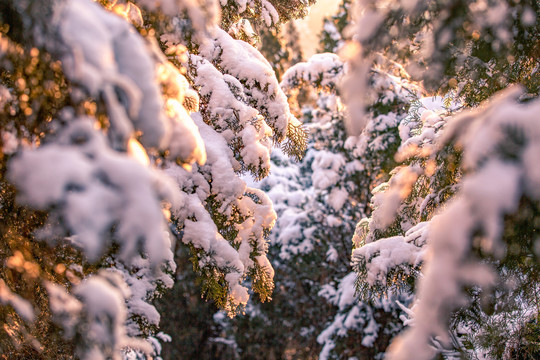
(456, 161)
(100, 95)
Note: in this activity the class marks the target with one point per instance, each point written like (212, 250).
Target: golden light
(137, 151)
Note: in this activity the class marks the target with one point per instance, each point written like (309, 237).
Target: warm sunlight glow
(137, 151)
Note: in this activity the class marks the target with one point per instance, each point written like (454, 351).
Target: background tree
(332, 36)
(318, 201)
(280, 46)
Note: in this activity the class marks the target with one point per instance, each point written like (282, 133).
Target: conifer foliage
(318, 202)
(124, 128)
(448, 226)
(382, 193)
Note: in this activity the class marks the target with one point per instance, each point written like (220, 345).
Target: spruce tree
(431, 232)
(116, 149)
